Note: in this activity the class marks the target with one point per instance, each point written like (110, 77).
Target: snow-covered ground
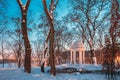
(84, 66)
(9, 65)
(18, 74)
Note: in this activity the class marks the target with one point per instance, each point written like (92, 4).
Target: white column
(83, 57)
(74, 57)
(80, 57)
(71, 56)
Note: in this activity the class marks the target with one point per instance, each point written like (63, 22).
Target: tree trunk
(2, 47)
(52, 61)
(24, 8)
(27, 64)
(19, 56)
(18, 59)
(93, 57)
(49, 15)
(19, 52)
(3, 60)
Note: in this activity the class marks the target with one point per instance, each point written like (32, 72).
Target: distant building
(77, 53)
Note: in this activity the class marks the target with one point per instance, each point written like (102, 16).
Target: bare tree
(38, 50)
(24, 9)
(2, 34)
(63, 37)
(115, 26)
(111, 47)
(2, 49)
(49, 14)
(3, 18)
(3, 22)
(89, 24)
(18, 40)
(114, 30)
(17, 45)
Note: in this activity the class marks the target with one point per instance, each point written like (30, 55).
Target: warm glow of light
(117, 60)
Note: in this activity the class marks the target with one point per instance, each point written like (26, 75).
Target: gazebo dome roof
(77, 44)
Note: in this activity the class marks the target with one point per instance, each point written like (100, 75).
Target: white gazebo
(77, 53)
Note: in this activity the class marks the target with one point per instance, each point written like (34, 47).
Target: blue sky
(35, 7)
(12, 9)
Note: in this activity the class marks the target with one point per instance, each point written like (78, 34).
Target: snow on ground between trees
(18, 74)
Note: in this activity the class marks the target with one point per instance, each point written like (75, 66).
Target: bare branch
(48, 36)
(27, 4)
(45, 9)
(20, 4)
(55, 4)
(102, 20)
